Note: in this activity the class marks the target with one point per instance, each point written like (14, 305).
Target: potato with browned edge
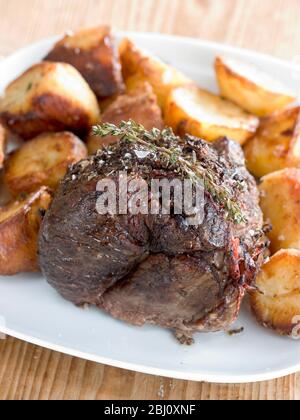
(19, 228)
(276, 145)
(139, 104)
(194, 111)
(250, 88)
(276, 302)
(42, 161)
(138, 65)
(280, 202)
(94, 53)
(49, 97)
(3, 140)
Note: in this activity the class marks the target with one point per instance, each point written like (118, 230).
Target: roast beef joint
(157, 268)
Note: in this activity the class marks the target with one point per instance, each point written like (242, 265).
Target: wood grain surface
(270, 26)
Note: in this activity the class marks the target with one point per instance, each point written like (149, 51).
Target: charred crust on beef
(155, 269)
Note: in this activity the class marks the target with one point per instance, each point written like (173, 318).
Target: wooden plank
(270, 26)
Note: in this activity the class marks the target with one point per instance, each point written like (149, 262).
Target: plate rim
(171, 38)
(209, 377)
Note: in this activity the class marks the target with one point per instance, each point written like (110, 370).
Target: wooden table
(270, 26)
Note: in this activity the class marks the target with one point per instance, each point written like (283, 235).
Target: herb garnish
(133, 132)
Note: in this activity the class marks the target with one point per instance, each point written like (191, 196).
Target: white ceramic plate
(31, 310)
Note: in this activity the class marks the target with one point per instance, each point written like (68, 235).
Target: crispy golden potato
(105, 103)
(191, 110)
(42, 161)
(3, 140)
(139, 105)
(276, 303)
(137, 66)
(250, 88)
(19, 228)
(280, 202)
(276, 145)
(49, 97)
(94, 53)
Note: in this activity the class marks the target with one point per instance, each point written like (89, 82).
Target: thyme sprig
(133, 132)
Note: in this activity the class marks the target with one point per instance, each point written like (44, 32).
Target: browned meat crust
(155, 268)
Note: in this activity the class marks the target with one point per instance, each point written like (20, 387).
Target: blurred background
(270, 26)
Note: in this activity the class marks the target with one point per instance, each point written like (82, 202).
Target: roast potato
(3, 139)
(139, 104)
(276, 145)
(276, 303)
(19, 227)
(191, 110)
(94, 53)
(138, 65)
(250, 88)
(49, 97)
(42, 161)
(280, 202)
